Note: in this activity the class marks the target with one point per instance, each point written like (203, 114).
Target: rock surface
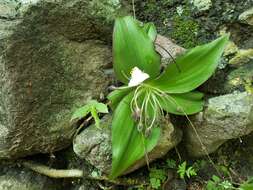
(14, 178)
(94, 145)
(225, 117)
(247, 16)
(228, 80)
(52, 59)
(202, 5)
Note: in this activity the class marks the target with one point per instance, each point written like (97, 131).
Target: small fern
(183, 171)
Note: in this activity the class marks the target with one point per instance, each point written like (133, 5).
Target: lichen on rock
(53, 56)
(225, 117)
(13, 178)
(202, 5)
(242, 56)
(247, 16)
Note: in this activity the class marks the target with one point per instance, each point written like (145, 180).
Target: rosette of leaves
(138, 110)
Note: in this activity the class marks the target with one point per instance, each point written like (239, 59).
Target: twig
(236, 174)
(86, 121)
(178, 154)
(173, 59)
(76, 173)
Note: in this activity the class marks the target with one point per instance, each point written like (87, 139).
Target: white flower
(137, 77)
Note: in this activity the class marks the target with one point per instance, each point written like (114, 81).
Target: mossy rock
(224, 117)
(230, 79)
(53, 56)
(196, 22)
(13, 178)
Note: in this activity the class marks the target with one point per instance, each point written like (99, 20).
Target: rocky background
(56, 54)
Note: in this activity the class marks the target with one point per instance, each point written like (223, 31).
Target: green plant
(171, 163)
(157, 177)
(184, 171)
(93, 107)
(185, 30)
(139, 105)
(248, 185)
(199, 164)
(224, 170)
(217, 184)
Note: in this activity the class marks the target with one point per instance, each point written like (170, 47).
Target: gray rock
(13, 178)
(225, 117)
(52, 59)
(247, 16)
(176, 184)
(228, 81)
(72, 161)
(94, 145)
(167, 49)
(84, 187)
(202, 5)
(164, 46)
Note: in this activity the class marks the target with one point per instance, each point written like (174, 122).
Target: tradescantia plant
(139, 105)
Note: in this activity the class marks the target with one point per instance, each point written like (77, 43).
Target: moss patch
(173, 19)
(185, 29)
(182, 20)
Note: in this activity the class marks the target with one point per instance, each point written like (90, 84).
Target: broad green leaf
(248, 185)
(128, 145)
(150, 29)
(133, 47)
(216, 179)
(196, 66)
(183, 104)
(117, 95)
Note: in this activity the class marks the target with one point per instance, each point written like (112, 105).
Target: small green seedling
(171, 163)
(93, 107)
(248, 185)
(184, 171)
(217, 184)
(157, 177)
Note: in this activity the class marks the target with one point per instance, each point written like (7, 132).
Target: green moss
(185, 29)
(171, 20)
(159, 12)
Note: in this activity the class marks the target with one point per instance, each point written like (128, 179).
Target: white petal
(137, 77)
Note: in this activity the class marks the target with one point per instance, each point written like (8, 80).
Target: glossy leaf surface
(117, 95)
(128, 144)
(150, 29)
(183, 104)
(133, 47)
(196, 65)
